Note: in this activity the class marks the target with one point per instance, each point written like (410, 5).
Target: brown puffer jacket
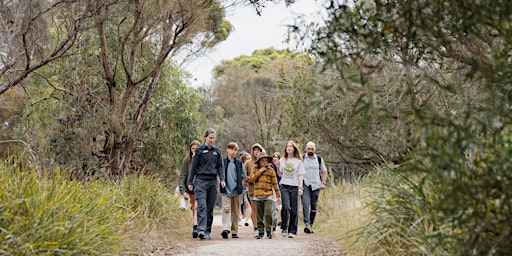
(248, 167)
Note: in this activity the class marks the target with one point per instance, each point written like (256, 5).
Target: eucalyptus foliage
(440, 70)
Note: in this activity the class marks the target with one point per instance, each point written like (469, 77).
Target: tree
(250, 106)
(444, 67)
(104, 79)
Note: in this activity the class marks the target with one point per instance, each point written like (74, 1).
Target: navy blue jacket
(206, 164)
(239, 169)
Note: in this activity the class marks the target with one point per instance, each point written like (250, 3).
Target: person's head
(232, 148)
(192, 148)
(209, 136)
(310, 148)
(263, 160)
(291, 150)
(275, 157)
(256, 149)
(245, 157)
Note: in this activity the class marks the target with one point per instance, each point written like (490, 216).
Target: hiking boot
(225, 234)
(291, 235)
(260, 236)
(269, 235)
(284, 233)
(234, 236)
(201, 235)
(307, 228)
(207, 236)
(256, 233)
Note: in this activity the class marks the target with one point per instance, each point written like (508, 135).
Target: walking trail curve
(302, 244)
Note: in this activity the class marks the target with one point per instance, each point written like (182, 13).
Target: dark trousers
(289, 212)
(309, 204)
(205, 192)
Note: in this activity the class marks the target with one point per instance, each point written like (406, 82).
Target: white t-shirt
(291, 168)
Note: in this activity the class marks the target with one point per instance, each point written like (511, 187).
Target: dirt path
(303, 244)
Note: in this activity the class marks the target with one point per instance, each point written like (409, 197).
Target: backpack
(319, 164)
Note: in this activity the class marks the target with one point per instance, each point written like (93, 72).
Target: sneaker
(234, 236)
(307, 228)
(224, 234)
(269, 235)
(260, 236)
(291, 235)
(207, 236)
(256, 233)
(201, 235)
(284, 233)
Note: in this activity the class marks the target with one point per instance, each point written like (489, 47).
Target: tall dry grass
(57, 216)
(383, 214)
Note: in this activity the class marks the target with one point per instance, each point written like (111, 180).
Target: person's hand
(185, 195)
(191, 187)
(262, 169)
(322, 186)
(223, 184)
(300, 191)
(278, 200)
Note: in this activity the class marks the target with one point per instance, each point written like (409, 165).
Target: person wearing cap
(256, 149)
(265, 185)
(291, 170)
(231, 193)
(206, 167)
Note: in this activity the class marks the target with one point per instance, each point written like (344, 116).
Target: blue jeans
(309, 204)
(289, 212)
(205, 192)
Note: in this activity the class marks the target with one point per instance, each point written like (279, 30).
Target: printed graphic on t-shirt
(288, 170)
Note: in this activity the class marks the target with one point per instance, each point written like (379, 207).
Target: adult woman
(185, 192)
(206, 167)
(291, 171)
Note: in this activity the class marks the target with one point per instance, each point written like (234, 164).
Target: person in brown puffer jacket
(256, 149)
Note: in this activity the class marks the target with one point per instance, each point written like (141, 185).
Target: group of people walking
(259, 184)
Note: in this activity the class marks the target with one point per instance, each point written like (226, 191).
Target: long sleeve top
(264, 182)
(206, 164)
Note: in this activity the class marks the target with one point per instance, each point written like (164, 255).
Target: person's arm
(220, 170)
(323, 176)
(192, 172)
(276, 188)
(300, 173)
(279, 169)
(243, 173)
(183, 177)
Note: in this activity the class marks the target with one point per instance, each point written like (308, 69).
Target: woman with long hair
(291, 170)
(185, 192)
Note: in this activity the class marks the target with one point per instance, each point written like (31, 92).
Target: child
(265, 180)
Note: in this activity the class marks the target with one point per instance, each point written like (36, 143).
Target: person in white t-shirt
(291, 170)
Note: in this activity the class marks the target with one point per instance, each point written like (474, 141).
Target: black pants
(205, 192)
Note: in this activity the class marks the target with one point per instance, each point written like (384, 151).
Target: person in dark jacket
(231, 194)
(206, 167)
(185, 192)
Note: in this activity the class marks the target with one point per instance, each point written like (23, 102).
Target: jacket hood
(257, 145)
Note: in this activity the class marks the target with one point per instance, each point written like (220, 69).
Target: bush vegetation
(54, 215)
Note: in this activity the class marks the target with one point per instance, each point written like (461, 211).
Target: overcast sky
(252, 32)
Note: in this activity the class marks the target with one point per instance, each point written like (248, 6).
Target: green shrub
(56, 216)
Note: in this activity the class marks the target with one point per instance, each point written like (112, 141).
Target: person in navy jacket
(206, 167)
(231, 194)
